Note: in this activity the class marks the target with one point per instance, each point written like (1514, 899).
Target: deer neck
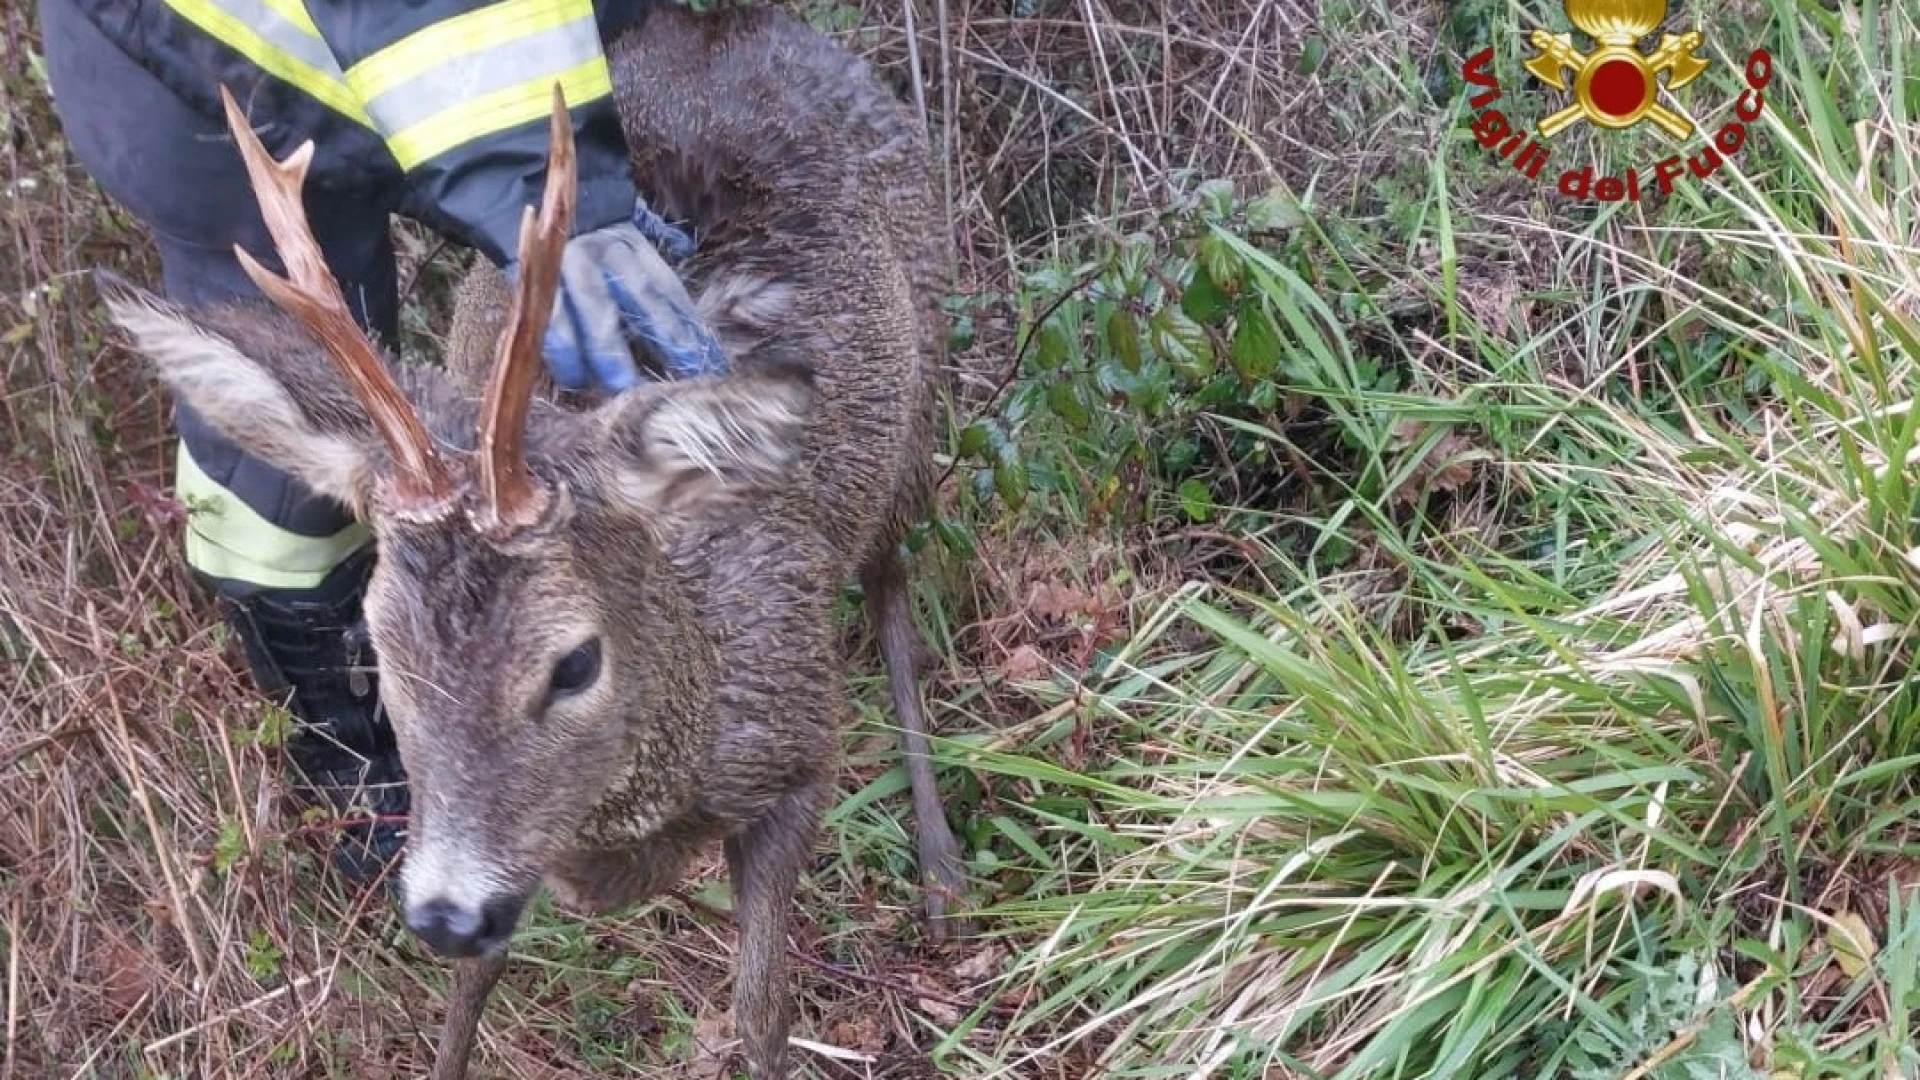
(671, 713)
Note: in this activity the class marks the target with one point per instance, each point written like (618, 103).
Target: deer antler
(310, 294)
(509, 496)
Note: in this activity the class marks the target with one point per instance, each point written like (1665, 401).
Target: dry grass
(163, 909)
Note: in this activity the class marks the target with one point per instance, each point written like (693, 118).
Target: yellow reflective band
(462, 35)
(226, 538)
(502, 109)
(453, 82)
(289, 51)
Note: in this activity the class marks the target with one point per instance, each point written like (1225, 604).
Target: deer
(604, 629)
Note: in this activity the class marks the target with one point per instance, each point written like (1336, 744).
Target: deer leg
(764, 861)
(473, 981)
(885, 582)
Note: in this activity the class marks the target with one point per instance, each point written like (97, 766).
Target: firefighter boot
(308, 650)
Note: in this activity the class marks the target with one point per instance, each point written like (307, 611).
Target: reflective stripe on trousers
(228, 540)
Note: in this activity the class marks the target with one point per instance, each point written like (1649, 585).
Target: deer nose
(462, 931)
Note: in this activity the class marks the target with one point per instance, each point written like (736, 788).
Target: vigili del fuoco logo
(1614, 86)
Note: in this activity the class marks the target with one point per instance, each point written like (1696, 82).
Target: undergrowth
(1556, 720)
(1390, 620)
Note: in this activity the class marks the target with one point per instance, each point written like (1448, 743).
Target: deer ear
(256, 380)
(674, 449)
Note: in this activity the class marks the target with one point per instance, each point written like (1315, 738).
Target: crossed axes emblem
(1615, 86)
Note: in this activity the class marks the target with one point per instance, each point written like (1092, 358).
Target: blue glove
(616, 287)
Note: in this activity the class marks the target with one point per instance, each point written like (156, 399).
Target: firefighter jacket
(444, 100)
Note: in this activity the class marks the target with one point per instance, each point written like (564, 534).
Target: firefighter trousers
(250, 527)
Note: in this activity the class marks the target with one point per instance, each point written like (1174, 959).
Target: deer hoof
(944, 885)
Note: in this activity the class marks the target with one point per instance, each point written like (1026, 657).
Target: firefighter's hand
(615, 288)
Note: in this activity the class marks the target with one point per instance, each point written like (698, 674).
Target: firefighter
(433, 109)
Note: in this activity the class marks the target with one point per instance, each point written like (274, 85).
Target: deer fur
(698, 531)
(805, 181)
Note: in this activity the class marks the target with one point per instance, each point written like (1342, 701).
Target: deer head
(539, 654)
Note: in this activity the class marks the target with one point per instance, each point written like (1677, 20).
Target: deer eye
(576, 671)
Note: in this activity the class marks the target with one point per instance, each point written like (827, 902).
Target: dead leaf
(1448, 466)
(1494, 300)
(863, 1034)
(126, 973)
(1054, 600)
(1025, 662)
(1851, 940)
(933, 998)
(1906, 874)
(712, 1045)
(161, 509)
(1457, 452)
(979, 966)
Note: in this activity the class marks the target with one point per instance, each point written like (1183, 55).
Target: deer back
(804, 180)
